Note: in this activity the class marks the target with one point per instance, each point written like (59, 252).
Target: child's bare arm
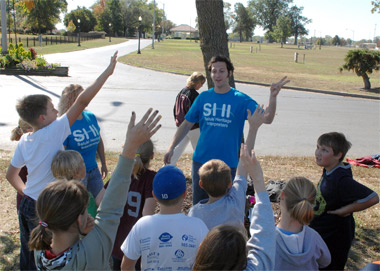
(102, 157)
(86, 96)
(14, 179)
(255, 120)
(355, 207)
(128, 264)
(253, 167)
(140, 132)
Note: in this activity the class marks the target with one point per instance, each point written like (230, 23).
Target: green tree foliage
(45, 14)
(336, 40)
(71, 26)
(298, 22)
(376, 6)
(362, 62)
(86, 16)
(228, 15)
(283, 29)
(267, 12)
(244, 22)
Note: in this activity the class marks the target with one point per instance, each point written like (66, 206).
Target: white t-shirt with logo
(165, 242)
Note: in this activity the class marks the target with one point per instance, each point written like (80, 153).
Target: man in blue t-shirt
(221, 112)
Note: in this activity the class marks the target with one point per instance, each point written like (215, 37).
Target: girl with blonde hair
(69, 165)
(299, 247)
(85, 138)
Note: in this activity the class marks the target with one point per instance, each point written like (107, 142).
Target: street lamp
(140, 19)
(78, 32)
(14, 20)
(110, 31)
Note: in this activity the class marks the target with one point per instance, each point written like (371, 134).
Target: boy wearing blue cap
(169, 239)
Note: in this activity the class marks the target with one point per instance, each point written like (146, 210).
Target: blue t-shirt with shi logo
(84, 138)
(221, 120)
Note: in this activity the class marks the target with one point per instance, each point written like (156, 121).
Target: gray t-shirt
(227, 210)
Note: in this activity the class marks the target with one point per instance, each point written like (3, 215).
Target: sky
(346, 18)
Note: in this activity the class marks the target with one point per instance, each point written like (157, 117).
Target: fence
(52, 40)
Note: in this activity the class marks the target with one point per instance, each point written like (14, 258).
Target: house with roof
(184, 31)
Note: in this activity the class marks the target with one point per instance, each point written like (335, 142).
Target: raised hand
(257, 118)
(140, 132)
(112, 65)
(276, 87)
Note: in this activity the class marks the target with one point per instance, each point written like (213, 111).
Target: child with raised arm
(63, 217)
(140, 200)
(36, 150)
(226, 202)
(224, 247)
(168, 240)
(338, 196)
(299, 247)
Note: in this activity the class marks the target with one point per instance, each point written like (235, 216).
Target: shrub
(16, 54)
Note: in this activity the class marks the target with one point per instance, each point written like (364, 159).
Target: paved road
(301, 116)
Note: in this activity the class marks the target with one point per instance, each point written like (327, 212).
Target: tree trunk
(367, 83)
(212, 33)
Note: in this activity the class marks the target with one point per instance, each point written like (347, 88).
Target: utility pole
(374, 33)
(154, 22)
(4, 43)
(163, 22)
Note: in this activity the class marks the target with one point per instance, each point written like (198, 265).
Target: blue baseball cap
(169, 183)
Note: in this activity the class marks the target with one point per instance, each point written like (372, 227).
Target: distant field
(64, 47)
(268, 64)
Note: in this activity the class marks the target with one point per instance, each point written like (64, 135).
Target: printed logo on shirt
(179, 253)
(188, 241)
(153, 258)
(179, 256)
(217, 116)
(320, 202)
(83, 134)
(165, 237)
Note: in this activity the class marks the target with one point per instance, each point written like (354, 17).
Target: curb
(329, 92)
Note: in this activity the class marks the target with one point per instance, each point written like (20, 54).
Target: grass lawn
(267, 63)
(365, 247)
(66, 47)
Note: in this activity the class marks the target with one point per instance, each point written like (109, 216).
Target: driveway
(301, 116)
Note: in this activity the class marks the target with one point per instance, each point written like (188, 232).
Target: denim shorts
(93, 181)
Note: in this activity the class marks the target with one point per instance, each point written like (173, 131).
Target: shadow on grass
(9, 252)
(365, 248)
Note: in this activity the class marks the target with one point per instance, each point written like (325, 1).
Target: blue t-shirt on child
(221, 120)
(84, 138)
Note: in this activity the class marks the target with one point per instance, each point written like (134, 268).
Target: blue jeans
(27, 222)
(198, 192)
(93, 181)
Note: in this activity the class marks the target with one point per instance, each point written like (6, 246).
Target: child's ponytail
(300, 195)
(21, 129)
(40, 238)
(143, 156)
(58, 208)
